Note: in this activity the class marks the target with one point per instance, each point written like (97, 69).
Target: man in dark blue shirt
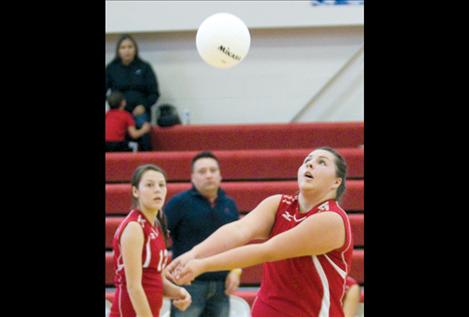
(192, 217)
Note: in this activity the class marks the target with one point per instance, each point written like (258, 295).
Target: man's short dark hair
(204, 154)
(115, 99)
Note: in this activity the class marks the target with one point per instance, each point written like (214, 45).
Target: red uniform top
(154, 259)
(117, 123)
(306, 286)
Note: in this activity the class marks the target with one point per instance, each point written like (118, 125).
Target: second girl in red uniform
(140, 253)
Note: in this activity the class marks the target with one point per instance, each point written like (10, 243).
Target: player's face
(206, 175)
(318, 172)
(151, 191)
(127, 51)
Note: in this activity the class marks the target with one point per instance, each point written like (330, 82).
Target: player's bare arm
(132, 245)
(180, 296)
(318, 234)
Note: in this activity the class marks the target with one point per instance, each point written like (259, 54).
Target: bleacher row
(256, 161)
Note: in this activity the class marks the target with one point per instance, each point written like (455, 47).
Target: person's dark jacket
(137, 81)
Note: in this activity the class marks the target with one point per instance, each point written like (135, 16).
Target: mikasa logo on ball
(227, 52)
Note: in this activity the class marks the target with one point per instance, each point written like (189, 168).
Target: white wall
(155, 16)
(284, 69)
(342, 97)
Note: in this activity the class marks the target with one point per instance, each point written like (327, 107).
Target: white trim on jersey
(288, 217)
(324, 206)
(326, 300)
(141, 221)
(148, 258)
(120, 266)
(298, 220)
(342, 254)
(120, 300)
(349, 227)
(341, 272)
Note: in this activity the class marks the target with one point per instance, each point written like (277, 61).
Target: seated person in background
(120, 124)
(136, 79)
(352, 297)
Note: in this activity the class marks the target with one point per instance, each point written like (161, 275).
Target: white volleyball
(223, 40)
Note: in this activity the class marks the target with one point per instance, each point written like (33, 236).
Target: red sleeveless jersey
(154, 259)
(306, 286)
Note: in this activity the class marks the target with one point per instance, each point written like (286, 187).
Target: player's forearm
(225, 238)
(241, 257)
(170, 290)
(139, 301)
(351, 301)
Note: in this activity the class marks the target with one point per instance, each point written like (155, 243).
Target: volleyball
(223, 40)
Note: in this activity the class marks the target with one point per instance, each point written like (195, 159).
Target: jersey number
(163, 260)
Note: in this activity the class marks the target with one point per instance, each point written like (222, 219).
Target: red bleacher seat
(357, 269)
(266, 136)
(357, 222)
(111, 226)
(246, 194)
(236, 164)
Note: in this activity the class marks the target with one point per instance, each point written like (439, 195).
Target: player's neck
(307, 201)
(150, 215)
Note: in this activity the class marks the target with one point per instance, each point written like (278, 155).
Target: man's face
(206, 175)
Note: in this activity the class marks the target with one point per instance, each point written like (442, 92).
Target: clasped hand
(184, 269)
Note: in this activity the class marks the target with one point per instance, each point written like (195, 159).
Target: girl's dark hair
(119, 42)
(341, 170)
(135, 181)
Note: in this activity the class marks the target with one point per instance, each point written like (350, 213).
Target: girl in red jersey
(140, 253)
(308, 251)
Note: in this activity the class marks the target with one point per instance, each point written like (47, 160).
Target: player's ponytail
(163, 225)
